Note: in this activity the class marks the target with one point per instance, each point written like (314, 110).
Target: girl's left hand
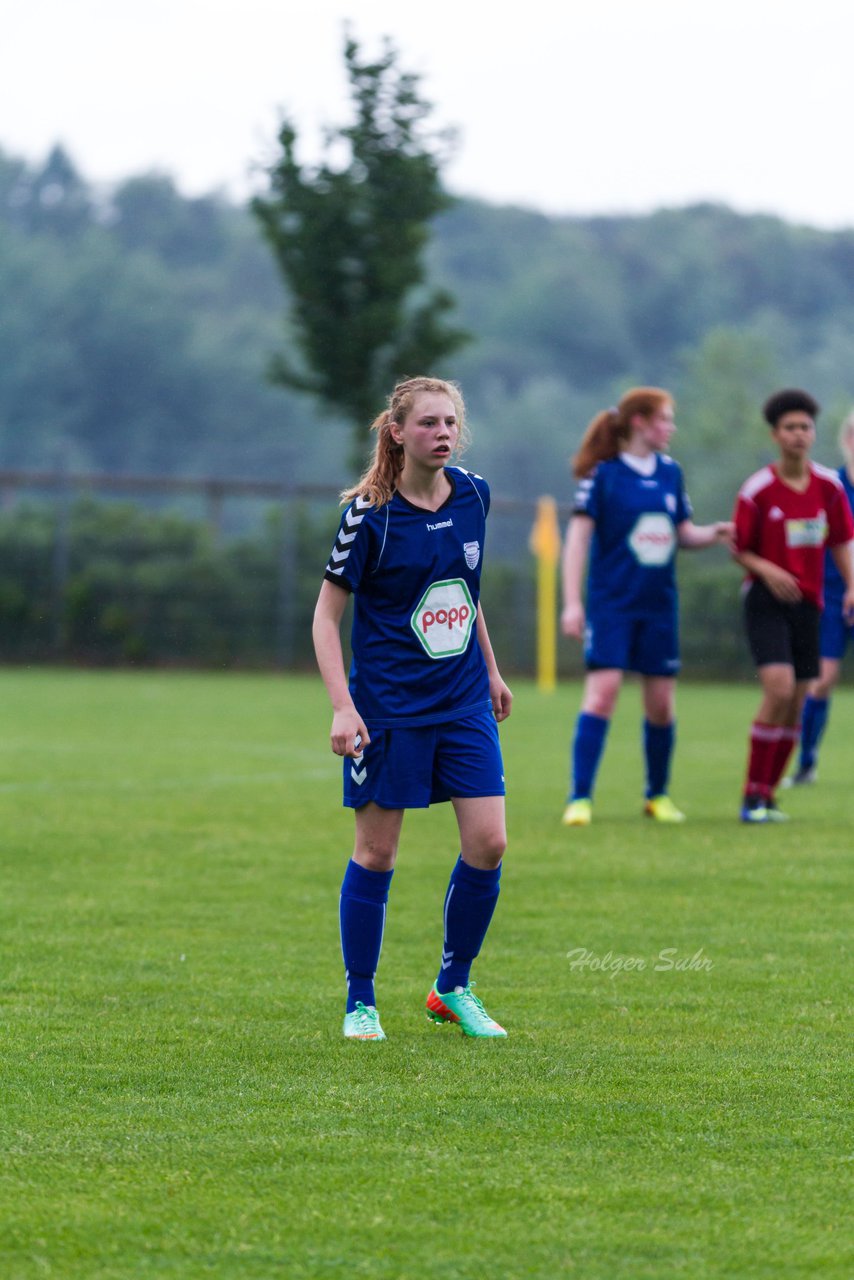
(502, 699)
(725, 533)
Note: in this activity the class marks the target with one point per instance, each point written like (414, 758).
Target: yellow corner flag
(545, 545)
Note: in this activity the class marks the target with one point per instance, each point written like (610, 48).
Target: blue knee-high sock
(813, 725)
(469, 904)
(658, 740)
(587, 747)
(364, 895)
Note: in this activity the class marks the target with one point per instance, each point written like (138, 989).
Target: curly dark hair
(790, 400)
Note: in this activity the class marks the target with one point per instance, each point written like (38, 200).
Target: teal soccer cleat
(463, 1007)
(363, 1023)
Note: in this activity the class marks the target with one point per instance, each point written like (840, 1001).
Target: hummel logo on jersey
(775, 514)
(352, 519)
(443, 524)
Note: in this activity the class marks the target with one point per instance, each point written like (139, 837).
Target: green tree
(724, 383)
(349, 240)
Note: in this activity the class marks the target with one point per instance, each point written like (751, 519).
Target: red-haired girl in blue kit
(631, 514)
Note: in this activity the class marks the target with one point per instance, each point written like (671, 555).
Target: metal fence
(91, 569)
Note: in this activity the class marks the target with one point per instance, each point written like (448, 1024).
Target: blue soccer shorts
(835, 632)
(649, 646)
(414, 767)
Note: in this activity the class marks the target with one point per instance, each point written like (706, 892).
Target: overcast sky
(625, 105)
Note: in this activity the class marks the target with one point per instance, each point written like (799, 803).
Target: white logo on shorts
(358, 775)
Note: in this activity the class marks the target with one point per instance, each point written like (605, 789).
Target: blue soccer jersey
(632, 553)
(834, 587)
(415, 579)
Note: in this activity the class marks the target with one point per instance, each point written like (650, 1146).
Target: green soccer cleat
(662, 809)
(463, 1007)
(363, 1023)
(773, 814)
(578, 813)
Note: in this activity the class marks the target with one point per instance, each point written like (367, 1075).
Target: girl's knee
(487, 852)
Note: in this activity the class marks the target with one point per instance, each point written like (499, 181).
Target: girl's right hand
(782, 584)
(349, 735)
(572, 620)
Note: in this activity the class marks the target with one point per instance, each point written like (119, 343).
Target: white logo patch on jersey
(807, 532)
(472, 553)
(653, 539)
(444, 617)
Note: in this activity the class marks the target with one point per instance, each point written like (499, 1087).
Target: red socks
(770, 748)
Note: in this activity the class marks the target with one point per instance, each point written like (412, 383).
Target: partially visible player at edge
(631, 512)
(835, 633)
(785, 515)
(417, 721)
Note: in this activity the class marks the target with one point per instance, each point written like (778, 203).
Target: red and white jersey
(790, 528)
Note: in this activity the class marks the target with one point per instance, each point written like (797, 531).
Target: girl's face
(795, 434)
(656, 430)
(430, 431)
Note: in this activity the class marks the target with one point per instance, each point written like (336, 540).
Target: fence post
(61, 556)
(287, 586)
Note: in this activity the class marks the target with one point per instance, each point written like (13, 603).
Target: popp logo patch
(444, 618)
(653, 539)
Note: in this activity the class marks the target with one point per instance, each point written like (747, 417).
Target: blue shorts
(649, 646)
(412, 768)
(835, 631)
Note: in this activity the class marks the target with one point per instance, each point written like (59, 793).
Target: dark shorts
(412, 768)
(649, 646)
(782, 633)
(835, 632)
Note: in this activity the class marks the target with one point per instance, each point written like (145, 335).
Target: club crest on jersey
(444, 617)
(653, 539)
(472, 553)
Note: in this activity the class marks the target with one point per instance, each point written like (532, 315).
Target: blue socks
(658, 740)
(364, 895)
(813, 725)
(587, 747)
(469, 904)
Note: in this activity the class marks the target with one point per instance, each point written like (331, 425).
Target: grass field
(177, 1099)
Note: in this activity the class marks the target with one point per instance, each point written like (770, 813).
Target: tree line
(140, 325)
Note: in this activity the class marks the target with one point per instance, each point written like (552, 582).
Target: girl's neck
(637, 446)
(429, 489)
(795, 471)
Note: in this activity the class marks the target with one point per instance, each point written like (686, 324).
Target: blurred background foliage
(138, 329)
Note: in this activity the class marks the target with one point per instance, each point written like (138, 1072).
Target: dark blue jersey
(834, 587)
(415, 579)
(632, 553)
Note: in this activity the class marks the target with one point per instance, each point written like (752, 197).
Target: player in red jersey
(785, 515)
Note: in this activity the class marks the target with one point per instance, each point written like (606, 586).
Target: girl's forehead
(433, 404)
